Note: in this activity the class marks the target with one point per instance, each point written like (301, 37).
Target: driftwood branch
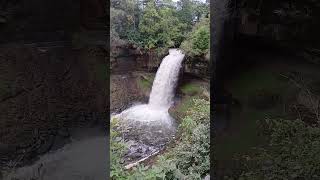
(129, 166)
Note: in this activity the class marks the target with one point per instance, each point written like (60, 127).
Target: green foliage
(117, 150)
(197, 42)
(191, 156)
(124, 15)
(201, 10)
(150, 25)
(191, 11)
(186, 12)
(180, 111)
(293, 152)
(159, 27)
(153, 23)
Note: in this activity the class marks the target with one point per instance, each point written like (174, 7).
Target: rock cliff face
(128, 59)
(199, 67)
(125, 90)
(46, 92)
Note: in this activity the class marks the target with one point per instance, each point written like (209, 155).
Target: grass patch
(145, 82)
(190, 89)
(185, 104)
(181, 110)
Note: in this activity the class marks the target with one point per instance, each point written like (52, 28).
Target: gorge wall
(45, 93)
(127, 59)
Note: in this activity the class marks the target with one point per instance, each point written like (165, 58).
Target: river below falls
(85, 158)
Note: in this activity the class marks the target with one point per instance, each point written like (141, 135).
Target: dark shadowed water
(85, 158)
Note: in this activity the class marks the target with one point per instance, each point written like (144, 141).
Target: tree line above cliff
(152, 24)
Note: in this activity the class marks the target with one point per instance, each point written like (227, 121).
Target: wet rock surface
(144, 139)
(153, 134)
(138, 151)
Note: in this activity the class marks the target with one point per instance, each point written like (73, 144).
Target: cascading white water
(166, 79)
(162, 93)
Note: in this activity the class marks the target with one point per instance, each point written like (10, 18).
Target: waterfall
(162, 93)
(164, 84)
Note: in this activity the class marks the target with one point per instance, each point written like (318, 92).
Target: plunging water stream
(164, 85)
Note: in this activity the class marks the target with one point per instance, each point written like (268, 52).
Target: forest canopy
(152, 24)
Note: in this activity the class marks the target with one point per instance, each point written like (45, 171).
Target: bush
(117, 149)
(293, 152)
(192, 155)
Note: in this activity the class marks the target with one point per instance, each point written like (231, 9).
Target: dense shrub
(117, 150)
(293, 152)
